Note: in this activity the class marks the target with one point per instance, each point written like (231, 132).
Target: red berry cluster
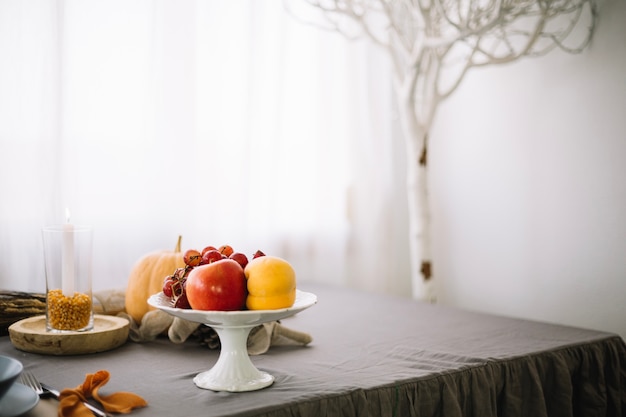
(174, 285)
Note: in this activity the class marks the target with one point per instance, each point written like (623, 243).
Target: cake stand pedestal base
(233, 371)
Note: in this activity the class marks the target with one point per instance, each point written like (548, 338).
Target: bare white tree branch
(432, 44)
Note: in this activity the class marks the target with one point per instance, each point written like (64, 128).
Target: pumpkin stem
(177, 248)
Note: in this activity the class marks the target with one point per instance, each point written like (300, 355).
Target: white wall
(528, 185)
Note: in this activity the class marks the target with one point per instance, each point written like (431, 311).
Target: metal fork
(30, 380)
(27, 378)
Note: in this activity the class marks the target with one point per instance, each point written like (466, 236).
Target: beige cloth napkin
(109, 301)
(261, 338)
(156, 323)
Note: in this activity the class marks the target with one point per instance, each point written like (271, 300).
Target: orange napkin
(71, 399)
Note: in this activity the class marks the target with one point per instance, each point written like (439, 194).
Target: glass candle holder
(68, 265)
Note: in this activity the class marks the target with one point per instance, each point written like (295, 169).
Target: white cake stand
(233, 371)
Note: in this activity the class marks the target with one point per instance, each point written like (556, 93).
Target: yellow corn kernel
(68, 313)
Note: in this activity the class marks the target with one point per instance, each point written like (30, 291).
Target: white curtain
(222, 121)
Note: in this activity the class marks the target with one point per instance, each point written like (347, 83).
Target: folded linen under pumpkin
(157, 322)
(261, 338)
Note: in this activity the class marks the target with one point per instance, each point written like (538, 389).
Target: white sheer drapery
(223, 121)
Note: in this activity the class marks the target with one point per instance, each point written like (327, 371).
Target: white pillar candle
(67, 262)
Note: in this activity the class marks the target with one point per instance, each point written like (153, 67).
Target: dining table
(371, 355)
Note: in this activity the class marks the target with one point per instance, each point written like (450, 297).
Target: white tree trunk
(416, 138)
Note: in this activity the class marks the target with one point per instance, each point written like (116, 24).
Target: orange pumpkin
(146, 278)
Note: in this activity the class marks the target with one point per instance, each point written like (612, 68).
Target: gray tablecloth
(376, 355)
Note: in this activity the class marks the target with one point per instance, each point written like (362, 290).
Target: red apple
(220, 285)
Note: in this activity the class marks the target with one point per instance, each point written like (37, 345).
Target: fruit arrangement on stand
(218, 287)
(221, 279)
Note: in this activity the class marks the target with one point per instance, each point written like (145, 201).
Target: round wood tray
(30, 335)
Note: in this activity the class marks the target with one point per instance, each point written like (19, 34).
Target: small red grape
(211, 256)
(226, 250)
(240, 258)
(208, 248)
(167, 286)
(182, 301)
(192, 257)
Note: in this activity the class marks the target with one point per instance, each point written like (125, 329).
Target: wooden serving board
(30, 335)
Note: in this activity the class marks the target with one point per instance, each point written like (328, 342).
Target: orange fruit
(271, 283)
